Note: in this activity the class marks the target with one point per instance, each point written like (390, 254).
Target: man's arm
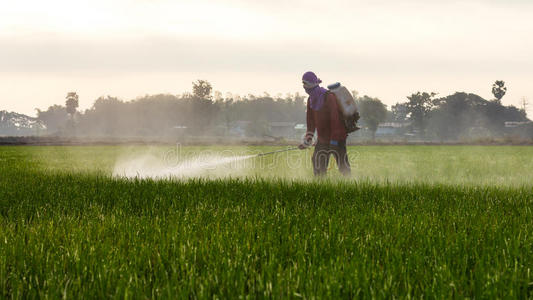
(310, 119)
(308, 138)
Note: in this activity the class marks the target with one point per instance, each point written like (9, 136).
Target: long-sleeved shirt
(327, 121)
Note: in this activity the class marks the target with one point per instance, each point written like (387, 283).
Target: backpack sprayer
(347, 106)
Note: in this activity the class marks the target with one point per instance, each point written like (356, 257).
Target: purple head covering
(317, 94)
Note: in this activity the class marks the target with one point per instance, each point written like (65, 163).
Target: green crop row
(87, 234)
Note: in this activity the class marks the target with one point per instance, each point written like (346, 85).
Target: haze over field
(386, 49)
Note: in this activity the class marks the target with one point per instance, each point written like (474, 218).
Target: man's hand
(306, 142)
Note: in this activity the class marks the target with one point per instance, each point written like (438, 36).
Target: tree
(202, 89)
(418, 108)
(499, 89)
(468, 115)
(106, 115)
(399, 112)
(203, 108)
(54, 118)
(373, 112)
(454, 115)
(14, 124)
(72, 103)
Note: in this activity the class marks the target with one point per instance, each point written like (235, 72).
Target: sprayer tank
(344, 99)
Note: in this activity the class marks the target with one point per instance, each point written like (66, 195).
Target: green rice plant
(70, 229)
(454, 165)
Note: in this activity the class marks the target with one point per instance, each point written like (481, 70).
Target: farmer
(323, 115)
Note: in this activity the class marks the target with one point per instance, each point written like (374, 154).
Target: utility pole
(524, 103)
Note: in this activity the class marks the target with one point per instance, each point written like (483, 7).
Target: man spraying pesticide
(332, 113)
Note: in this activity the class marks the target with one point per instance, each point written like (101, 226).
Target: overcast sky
(383, 48)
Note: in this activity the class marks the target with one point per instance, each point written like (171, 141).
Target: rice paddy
(413, 221)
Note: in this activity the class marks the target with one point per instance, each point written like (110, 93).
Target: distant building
(299, 130)
(391, 128)
(300, 127)
(512, 124)
(282, 129)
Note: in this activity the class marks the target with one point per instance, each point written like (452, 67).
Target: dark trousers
(321, 158)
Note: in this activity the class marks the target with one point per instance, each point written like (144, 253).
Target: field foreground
(87, 234)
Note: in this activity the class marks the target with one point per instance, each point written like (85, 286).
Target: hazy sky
(383, 48)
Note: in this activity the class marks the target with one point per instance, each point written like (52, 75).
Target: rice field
(453, 165)
(413, 221)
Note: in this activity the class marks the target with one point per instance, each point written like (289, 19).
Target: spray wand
(277, 151)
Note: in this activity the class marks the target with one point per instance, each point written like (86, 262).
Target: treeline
(197, 113)
(14, 124)
(460, 115)
(422, 115)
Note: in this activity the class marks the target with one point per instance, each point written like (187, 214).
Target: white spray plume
(151, 166)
